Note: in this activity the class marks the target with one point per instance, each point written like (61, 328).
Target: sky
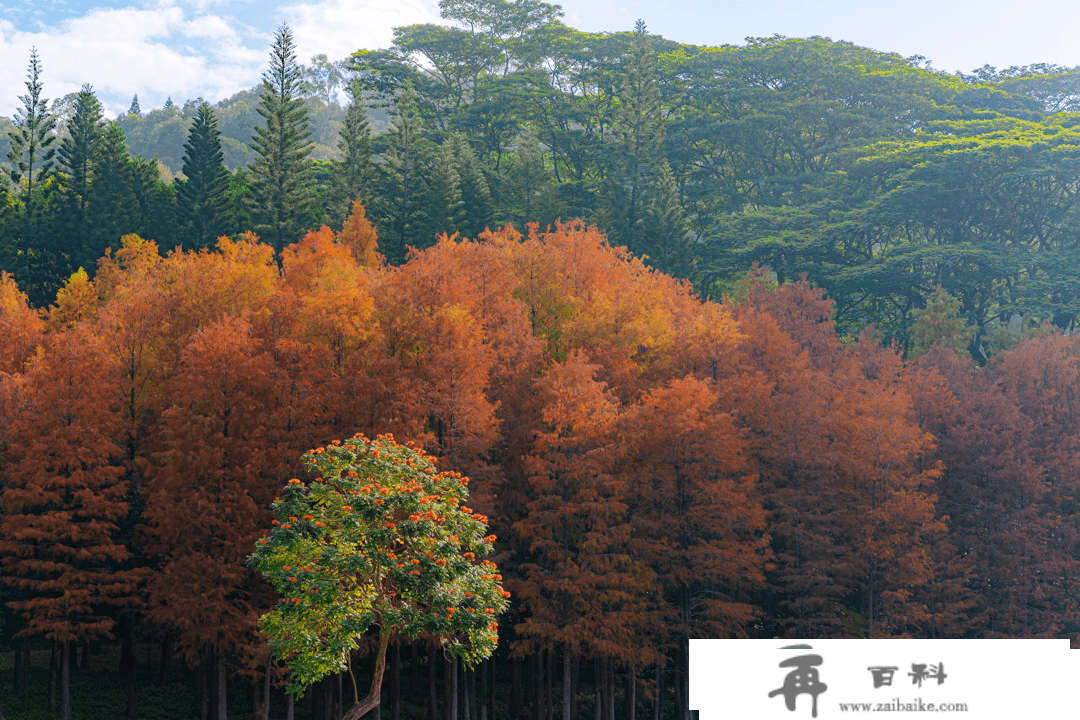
(186, 49)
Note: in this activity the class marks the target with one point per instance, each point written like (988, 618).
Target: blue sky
(213, 48)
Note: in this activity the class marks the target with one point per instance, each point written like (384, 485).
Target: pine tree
(354, 173)
(402, 179)
(281, 174)
(475, 194)
(444, 209)
(31, 158)
(528, 183)
(135, 109)
(112, 199)
(664, 238)
(31, 154)
(202, 196)
(78, 154)
(638, 132)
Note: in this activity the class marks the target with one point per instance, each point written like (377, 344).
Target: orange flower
(468, 556)
(287, 567)
(276, 522)
(309, 517)
(347, 508)
(440, 561)
(263, 542)
(286, 526)
(415, 561)
(414, 572)
(490, 539)
(319, 524)
(292, 579)
(295, 481)
(292, 518)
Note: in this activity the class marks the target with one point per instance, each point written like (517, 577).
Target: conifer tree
(135, 109)
(281, 174)
(664, 238)
(63, 499)
(32, 151)
(638, 132)
(402, 179)
(354, 173)
(111, 196)
(478, 207)
(78, 154)
(202, 198)
(31, 158)
(443, 206)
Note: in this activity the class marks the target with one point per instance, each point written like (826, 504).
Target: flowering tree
(378, 539)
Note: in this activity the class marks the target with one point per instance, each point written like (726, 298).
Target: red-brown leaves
(63, 495)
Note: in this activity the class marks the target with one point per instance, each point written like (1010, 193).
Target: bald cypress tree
(282, 198)
(202, 195)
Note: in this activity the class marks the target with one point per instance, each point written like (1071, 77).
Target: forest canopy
(770, 340)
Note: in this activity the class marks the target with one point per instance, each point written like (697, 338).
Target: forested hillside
(774, 340)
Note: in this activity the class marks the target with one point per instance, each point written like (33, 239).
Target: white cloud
(338, 28)
(152, 52)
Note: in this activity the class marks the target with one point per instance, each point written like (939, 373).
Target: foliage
(378, 538)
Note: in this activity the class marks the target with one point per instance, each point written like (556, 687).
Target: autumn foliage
(655, 467)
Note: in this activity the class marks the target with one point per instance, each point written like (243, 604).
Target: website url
(897, 705)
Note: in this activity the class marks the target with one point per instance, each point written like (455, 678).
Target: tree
(31, 154)
(113, 204)
(202, 195)
(360, 236)
(402, 180)
(208, 491)
(940, 323)
(281, 174)
(354, 173)
(63, 499)
(134, 109)
(377, 539)
(78, 156)
(31, 162)
(637, 135)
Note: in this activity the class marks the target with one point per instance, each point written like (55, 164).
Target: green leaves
(380, 538)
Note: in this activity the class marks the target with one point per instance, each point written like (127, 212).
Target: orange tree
(378, 539)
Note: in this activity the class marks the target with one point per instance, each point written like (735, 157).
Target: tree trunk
(132, 679)
(450, 679)
(549, 704)
(65, 683)
(517, 702)
(221, 693)
(433, 695)
(290, 706)
(473, 700)
(395, 682)
(566, 678)
(482, 704)
(539, 699)
(575, 683)
(374, 697)
(631, 693)
(610, 704)
(73, 658)
(54, 665)
(466, 696)
(200, 690)
(26, 674)
(266, 690)
(17, 675)
(600, 682)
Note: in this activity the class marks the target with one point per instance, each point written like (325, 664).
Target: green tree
(354, 173)
(637, 136)
(378, 539)
(402, 182)
(444, 209)
(78, 154)
(940, 323)
(31, 154)
(478, 208)
(112, 198)
(281, 173)
(664, 237)
(135, 109)
(203, 195)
